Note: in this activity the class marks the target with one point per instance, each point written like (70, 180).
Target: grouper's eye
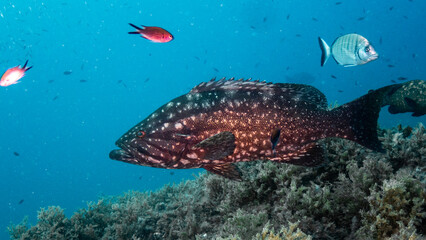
(141, 134)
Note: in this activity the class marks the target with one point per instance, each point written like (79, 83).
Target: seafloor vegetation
(356, 194)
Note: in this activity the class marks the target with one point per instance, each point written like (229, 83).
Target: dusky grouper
(226, 121)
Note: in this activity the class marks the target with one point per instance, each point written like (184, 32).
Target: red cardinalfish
(12, 75)
(155, 34)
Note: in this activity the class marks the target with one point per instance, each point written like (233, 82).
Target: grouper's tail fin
(358, 119)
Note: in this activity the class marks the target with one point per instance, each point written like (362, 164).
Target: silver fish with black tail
(348, 50)
(222, 122)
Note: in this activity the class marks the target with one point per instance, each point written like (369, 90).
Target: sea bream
(222, 122)
(348, 50)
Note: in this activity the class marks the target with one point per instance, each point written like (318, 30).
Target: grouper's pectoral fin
(311, 154)
(227, 170)
(217, 146)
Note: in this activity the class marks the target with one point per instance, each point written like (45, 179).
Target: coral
(290, 233)
(286, 233)
(52, 224)
(398, 204)
(355, 194)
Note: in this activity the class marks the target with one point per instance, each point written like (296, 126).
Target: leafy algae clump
(356, 194)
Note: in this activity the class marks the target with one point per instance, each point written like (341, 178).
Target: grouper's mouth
(121, 155)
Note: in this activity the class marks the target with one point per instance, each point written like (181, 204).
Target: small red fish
(155, 34)
(12, 75)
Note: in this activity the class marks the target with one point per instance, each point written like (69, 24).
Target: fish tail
(25, 66)
(325, 49)
(359, 117)
(138, 28)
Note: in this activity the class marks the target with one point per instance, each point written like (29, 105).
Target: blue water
(63, 129)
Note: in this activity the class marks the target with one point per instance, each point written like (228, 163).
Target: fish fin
(357, 120)
(413, 105)
(28, 68)
(392, 109)
(410, 102)
(227, 170)
(275, 136)
(25, 64)
(133, 32)
(217, 146)
(311, 154)
(224, 84)
(306, 93)
(138, 28)
(325, 51)
(349, 65)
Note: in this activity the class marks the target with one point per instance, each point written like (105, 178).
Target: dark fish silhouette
(68, 72)
(222, 122)
(16, 154)
(21, 201)
(410, 97)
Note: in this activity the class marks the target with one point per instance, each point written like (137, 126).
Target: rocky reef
(355, 194)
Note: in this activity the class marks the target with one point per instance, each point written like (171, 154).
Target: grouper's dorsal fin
(300, 92)
(227, 170)
(306, 93)
(232, 84)
(217, 146)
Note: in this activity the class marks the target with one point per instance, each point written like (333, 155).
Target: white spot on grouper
(184, 161)
(192, 155)
(178, 126)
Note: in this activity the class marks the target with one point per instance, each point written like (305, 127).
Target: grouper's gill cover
(221, 122)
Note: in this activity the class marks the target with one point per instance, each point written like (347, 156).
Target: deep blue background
(64, 143)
